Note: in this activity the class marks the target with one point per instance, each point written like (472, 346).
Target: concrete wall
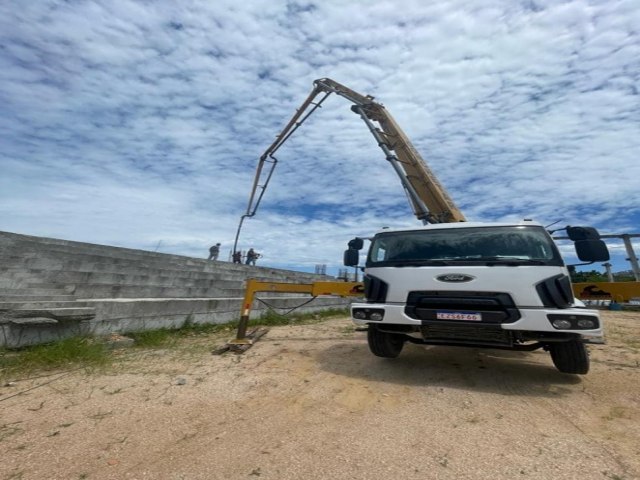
(52, 289)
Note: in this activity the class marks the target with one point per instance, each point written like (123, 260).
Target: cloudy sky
(140, 123)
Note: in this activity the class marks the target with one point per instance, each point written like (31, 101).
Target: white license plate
(464, 316)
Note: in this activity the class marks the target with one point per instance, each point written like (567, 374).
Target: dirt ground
(311, 402)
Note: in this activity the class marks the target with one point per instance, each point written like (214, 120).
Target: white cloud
(134, 123)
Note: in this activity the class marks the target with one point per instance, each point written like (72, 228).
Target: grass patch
(271, 317)
(193, 329)
(75, 351)
(165, 337)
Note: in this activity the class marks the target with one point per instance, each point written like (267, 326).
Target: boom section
(428, 198)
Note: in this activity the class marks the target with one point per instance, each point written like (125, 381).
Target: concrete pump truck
(452, 282)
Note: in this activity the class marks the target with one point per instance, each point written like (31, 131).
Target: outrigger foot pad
(241, 345)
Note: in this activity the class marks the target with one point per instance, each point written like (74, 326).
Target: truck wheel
(383, 344)
(570, 357)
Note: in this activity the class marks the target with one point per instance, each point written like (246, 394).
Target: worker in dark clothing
(214, 251)
(252, 256)
(237, 257)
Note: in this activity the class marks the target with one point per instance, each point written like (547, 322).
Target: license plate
(464, 316)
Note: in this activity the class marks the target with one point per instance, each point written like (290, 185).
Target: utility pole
(607, 266)
(626, 238)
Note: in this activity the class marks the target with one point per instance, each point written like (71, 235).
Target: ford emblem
(454, 278)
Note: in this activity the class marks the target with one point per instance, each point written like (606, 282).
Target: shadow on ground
(495, 371)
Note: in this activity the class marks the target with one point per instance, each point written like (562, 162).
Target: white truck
(452, 282)
(493, 285)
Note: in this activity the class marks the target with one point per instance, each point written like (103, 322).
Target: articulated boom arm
(430, 201)
(428, 198)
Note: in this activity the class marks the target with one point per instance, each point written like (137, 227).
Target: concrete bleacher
(52, 289)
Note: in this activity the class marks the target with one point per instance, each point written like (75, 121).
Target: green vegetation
(75, 351)
(591, 276)
(273, 318)
(595, 276)
(167, 337)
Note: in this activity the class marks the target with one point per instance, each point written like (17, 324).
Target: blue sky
(139, 124)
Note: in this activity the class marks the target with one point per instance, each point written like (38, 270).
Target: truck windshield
(510, 245)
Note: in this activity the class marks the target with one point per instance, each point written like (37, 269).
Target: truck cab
(499, 285)
(491, 285)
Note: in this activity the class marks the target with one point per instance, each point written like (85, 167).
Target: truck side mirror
(592, 250)
(583, 233)
(356, 244)
(351, 257)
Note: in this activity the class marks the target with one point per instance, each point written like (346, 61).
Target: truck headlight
(373, 314)
(573, 322)
(586, 323)
(562, 324)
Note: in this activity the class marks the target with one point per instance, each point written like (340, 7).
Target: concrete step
(106, 255)
(33, 247)
(36, 289)
(142, 291)
(123, 290)
(33, 321)
(51, 290)
(72, 278)
(65, 314)
(4, 305)
(30, 298)
(75, 260)
(39, 246)
(13, 241)
(76, 274)
(19, 279)
(40, 266)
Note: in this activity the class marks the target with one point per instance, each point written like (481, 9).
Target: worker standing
(214, 251)
(252, 256)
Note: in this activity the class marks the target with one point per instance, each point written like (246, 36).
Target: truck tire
(383, 344)
(570, 357)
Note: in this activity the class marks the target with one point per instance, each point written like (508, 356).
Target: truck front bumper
(531, 320)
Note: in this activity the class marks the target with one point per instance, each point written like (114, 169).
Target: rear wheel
(570, 357)
(383, 344)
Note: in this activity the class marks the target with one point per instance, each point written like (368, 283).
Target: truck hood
(517, 281)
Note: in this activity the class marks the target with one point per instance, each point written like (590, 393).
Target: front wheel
(570, 357)
(383, 344)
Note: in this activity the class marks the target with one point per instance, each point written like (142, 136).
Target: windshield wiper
(489, 261)
(510, 261)
(417, 263)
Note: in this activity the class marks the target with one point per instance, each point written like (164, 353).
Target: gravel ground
(311, 402)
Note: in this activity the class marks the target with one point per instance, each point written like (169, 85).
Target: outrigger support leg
(244, 340)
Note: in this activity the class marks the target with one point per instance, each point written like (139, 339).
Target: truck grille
(375, 290)
(472, 334)
(555, 292)
(494, 307)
